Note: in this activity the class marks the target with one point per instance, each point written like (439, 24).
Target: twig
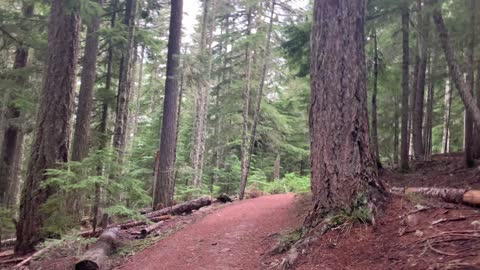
(439, 251)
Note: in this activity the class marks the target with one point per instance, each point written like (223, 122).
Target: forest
(130, 126)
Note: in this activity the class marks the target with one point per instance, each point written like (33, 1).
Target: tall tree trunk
(13, 136)
(453, 67)
(423, 30)
(405, 93)
(446, 117)
(375, 145)
(125, 81)
(81, 135)
(396, 124)
(165, 186)
(201, 98)
(246, 102)
(51, 140)
(477, 127)
(468, 133)
(256, 115)
(338, 114)
(430, 101)
(138, 95)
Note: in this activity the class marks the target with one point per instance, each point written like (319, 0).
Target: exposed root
(301, 245)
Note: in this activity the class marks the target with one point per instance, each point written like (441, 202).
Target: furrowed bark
(165, 181)
(342, 165)
(51, 141)
(405, 89)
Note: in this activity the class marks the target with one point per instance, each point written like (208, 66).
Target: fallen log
(132, 224)
(452, 195)
(8, 242)
(224, 198)
(147, 230)
(181, 208)
(95, 257)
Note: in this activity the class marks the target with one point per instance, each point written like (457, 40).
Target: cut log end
(87, 265)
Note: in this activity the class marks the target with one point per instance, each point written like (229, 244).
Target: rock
(224, 250)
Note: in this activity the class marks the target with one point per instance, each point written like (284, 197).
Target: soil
(412, 233)
(235, 237)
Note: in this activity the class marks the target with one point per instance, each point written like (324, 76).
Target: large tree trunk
(375, 145)
(446, 117)
(201, 97)
(256, 115)
(469, 131)
(342, 165)
(405, 93)
(12, 142)
(125, 81)
(477, 127)
(396, 124)
(165, 186)
(419, 88)
(453, 67)
(51, 141)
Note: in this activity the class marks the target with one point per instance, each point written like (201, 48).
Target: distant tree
(51, 141)
(346, 173)
(13, 136)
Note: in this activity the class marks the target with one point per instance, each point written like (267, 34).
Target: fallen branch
(181, 208)
(452, 195)
(95, 257)
(28, 259)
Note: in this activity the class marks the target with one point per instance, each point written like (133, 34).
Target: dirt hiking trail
(235, 237)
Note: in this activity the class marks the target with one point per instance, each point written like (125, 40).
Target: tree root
(310, 236)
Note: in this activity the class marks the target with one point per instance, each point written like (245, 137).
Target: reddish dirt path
(233, 238)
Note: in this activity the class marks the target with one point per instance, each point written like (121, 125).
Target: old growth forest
(239, 134)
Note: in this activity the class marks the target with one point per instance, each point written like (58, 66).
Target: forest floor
(413, 233)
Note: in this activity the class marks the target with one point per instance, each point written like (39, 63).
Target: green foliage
(291, 182)
(7, 226)
(81, 178)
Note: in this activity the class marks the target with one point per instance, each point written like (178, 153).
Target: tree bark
(477, 127)
(375, 145)
(423, 30)
(51, 140)
(453, 67)
(125, 81)
(405, 91)
(13, 136)
(276, 168)
(342, 165)
(256, 115)
(201, 97)
(430, 101)
(446, 117)
(246, 103)
(469, 130)
(165, 187)
(81, 135)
